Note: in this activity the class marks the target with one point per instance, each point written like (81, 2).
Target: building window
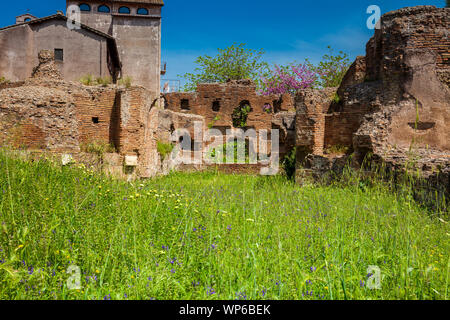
(142, 11)
(95, 120)
(124, 10)
(185, 104)
(216, 106)
(85, 7)
(59, 54)
(104, 9)
(27, 20)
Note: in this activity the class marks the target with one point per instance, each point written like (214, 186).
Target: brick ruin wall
(403, 75)
(216, 102)
(48, 114)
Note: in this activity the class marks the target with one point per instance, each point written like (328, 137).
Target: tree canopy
(233, 63)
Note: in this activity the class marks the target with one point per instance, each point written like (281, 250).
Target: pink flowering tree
(288, 79)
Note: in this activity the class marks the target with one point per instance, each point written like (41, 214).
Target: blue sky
(288, 30)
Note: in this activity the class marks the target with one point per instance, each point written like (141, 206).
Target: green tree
(447, 4)
(331, 70)
(233, 63)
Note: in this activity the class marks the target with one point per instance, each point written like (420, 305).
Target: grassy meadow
(212, 236)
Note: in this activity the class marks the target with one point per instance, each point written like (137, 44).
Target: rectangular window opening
(59, 54)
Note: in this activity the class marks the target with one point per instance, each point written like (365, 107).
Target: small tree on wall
(447, 5)
(331, 69)
(287, 79)
(233, 63)
(240, 115)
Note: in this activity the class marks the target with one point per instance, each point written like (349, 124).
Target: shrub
(337, 149)
(288, 79)
(3, 80)
(88, 80)
(164, 149)
(240, 115)
(126, 81)
(98, 147)
(105, 81)
(331, 70)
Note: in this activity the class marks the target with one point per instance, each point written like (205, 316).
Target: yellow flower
(326, 288)
(20, 247)
(96, 271)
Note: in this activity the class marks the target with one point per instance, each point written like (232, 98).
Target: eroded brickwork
(393, 104)
(216, 102)
(46, 113)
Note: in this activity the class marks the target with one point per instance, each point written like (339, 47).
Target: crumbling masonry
(393, 104)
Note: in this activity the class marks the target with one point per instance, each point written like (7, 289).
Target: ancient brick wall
(98, 115)
(421, 27)
(216, 102)
(311, 106)
(393, 104)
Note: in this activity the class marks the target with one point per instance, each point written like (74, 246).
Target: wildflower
(229, 227)
(210, 291)
(30, 270)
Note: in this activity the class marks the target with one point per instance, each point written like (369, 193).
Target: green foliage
(240, 115)
(3, 80)
(125, 81)
(331, 70)
(233, 63)
(289, 163)
(105, 81)
(212, 123)
(447, 3)
(97, 147)
(88, 80)
(178, 237)
(221, 152)
(164, 149)
(337, 149)
(336, 98)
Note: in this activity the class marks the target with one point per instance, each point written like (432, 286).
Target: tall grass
(211, 236)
